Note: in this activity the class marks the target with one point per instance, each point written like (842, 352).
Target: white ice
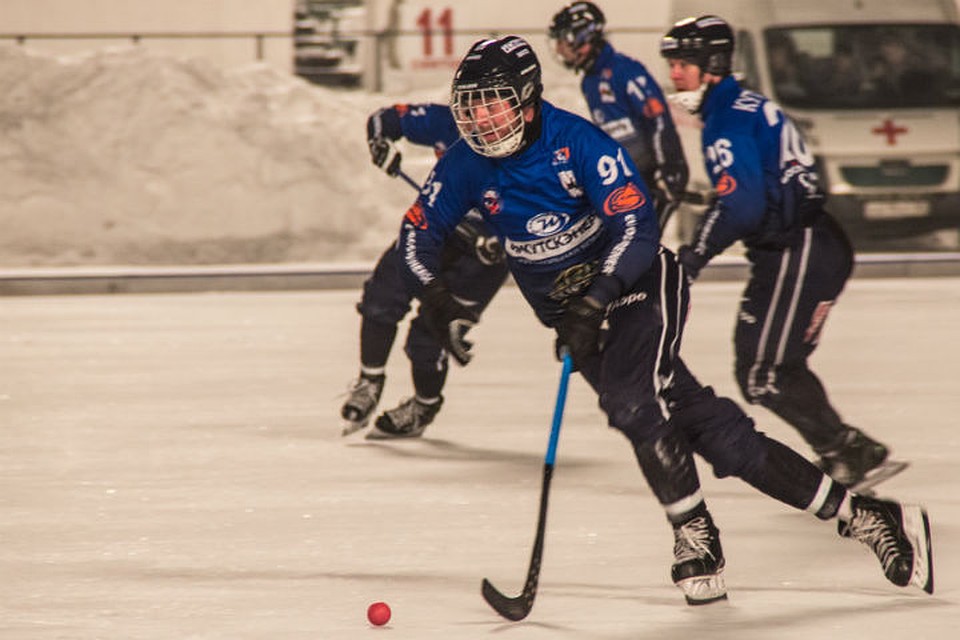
(172, 467)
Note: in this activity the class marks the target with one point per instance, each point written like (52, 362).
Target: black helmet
(577, 24)
(501, 76)
(706, 41)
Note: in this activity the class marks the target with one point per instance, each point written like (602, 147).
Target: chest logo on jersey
(561, 156)
(558, 244)
(491, 201)
(414, 216)
(545, 224)
(606, 93)
(569, 182)
(623, 199)
(726, 185)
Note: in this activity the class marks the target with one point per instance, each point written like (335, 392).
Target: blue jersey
(627, 103)
(570, 204)
(761, 168)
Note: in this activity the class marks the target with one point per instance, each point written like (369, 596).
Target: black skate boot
(364, 395)
(852, 461)
(698, 559)
(408, 420)
(898, 534)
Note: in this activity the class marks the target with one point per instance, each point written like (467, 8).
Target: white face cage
(490, 120)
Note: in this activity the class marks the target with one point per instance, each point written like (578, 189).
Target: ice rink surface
(172, 468)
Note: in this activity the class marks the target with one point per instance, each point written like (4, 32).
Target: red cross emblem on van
(889, 129)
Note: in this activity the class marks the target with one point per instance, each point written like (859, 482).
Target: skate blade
(877, 475)
(703, 589)
(376, 434)
(352, 427)
(916, 526)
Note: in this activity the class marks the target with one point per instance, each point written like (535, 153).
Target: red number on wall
(445, 22)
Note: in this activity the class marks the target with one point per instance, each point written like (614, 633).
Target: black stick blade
(514, 609)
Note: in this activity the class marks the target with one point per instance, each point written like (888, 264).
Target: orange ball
(378, 614)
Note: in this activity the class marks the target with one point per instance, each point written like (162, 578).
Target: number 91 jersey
(571, 201)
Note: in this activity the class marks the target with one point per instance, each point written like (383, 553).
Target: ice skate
(900, 537)
(858, 462)
(408, 420)
(364, 395)
(698, 560)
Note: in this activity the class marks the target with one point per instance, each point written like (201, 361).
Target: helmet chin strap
(689, 101)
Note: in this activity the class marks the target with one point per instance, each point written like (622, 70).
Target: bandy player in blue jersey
(582, 243)
(770, 198)
(624, 100)
(472, 262)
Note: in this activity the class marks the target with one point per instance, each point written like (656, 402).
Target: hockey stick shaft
(410, 181)
(519, 607)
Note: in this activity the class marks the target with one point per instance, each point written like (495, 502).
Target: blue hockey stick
(519, 607)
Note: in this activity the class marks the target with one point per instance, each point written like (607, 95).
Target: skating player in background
(581, 238)
(770, 198)
(624, 100)
(472, 262)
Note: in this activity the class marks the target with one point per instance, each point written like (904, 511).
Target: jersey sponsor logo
(619, 129)
(491, 201)
(547, 224)
(414, 216)
(653, 108)
(629, 197)
(726, 185)
(561, 156)
(627, 300)
(606, 73)
(812, 334)
(550, 248)
(568, 180)
(606, 93)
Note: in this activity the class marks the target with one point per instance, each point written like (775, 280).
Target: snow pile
(128, 156)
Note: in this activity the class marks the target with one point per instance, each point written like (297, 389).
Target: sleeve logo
(653, 108)
(623, 199)
(414, 216)
(726, 185)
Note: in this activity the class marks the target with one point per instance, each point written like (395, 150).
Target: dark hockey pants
(785, 305)
(386, 302)
(648, 393)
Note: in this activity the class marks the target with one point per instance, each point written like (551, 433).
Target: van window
(745, 61)
(865, 66)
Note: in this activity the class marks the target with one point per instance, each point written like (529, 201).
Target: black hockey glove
(691, 261)
(384, 154)
(579, 329)
(487, 249)
(448, 320)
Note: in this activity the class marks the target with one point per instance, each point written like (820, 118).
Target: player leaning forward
(583, 246)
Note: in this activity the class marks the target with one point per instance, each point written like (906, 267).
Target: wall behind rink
(158, 16)
(427, 36)
(431, 36)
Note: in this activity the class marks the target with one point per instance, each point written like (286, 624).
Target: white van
(875, 87)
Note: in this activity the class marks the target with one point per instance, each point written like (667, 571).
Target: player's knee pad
(383, 312)
(724, 435)
(639, 421)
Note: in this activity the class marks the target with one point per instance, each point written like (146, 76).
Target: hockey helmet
(576, 25)
(706, 41)
(494, 82)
